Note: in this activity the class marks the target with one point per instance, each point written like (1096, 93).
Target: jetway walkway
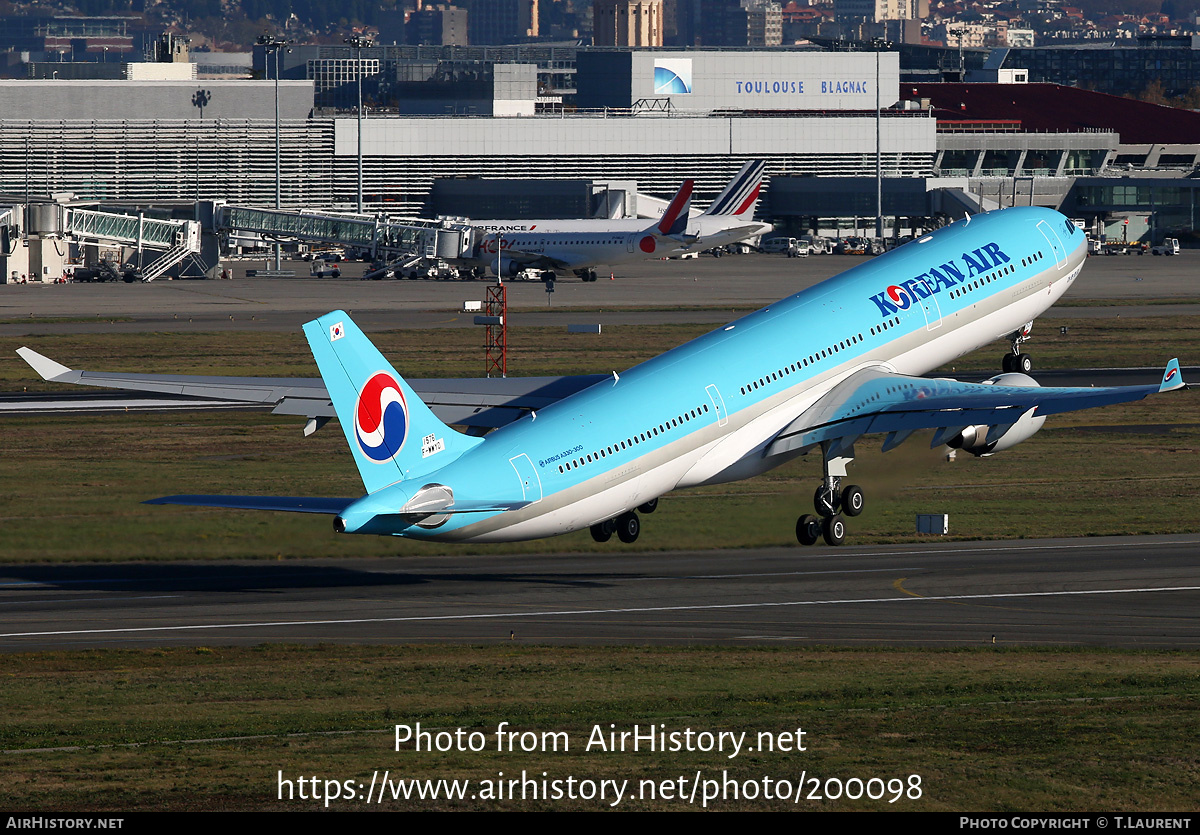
(174, 240)
(179, 238)
(429, 239)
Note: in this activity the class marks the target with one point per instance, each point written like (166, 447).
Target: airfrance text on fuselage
(900, 296)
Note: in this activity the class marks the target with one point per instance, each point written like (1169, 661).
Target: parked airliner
(816, 371)
(581, 245)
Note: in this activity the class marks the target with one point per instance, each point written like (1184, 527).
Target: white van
(777, 244)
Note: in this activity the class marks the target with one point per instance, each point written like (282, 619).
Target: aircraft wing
(485, 403)
(875, 401)
(564, 261)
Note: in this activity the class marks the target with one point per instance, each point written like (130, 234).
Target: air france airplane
(581, 251)
(816, 371)
(581, 245)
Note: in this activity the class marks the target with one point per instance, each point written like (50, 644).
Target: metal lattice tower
(496, 336)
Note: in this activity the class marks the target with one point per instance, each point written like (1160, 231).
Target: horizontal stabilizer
(293, 504)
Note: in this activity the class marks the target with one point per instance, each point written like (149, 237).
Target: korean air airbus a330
(817, 371)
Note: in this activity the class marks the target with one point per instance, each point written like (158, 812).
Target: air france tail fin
(392, 434)
(675, 219)
(741, 195)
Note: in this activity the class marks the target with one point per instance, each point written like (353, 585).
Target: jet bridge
(428, 239)
(178, 238)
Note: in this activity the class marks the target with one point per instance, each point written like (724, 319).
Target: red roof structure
(1054, 108)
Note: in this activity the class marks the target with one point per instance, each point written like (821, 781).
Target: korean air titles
(900, 296)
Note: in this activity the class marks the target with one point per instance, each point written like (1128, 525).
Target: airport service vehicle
(815, 372)
(582, 245)
(1169, 246)
(1122, 248)
(779, 244)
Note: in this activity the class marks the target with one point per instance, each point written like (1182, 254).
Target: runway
(703, 290)
(1139, 592)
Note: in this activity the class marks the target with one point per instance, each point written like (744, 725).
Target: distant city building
(501, 21)
(1120, 69)
(728, 23)
(627, 22)
(764, 22)
(70, 38)
(332, 68)
(849, 12)
(441, 24)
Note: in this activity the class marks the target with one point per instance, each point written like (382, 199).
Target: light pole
(878, 46)
(359, 43)
(272, 45)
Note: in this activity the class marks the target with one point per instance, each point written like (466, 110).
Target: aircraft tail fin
(675, 218)
(1172, 379)
(392, 434)
(741, 195)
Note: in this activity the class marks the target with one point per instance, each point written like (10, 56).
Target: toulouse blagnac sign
(673, 76)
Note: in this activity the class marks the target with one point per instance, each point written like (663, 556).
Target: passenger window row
(982, 281)
(634, 440)
(804, 362)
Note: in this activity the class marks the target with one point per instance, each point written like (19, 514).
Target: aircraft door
(718, 404)
(531, 484)
(929, 304)
(1056, 244)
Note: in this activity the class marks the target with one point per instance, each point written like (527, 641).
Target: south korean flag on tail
(336, 332)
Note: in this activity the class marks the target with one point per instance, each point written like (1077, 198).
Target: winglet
(1172, 378)
(675, 218)
(44, 366)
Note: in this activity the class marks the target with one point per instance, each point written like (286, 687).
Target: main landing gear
(1016, 361)
(627, 526)
(586, 275)
(831, 499)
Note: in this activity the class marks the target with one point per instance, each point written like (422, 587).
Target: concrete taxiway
(705, 290)
(1118, 592)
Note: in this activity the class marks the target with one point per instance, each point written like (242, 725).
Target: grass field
(205, 729)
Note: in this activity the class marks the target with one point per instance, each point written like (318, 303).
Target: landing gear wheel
(853, 500)
(825, 501)
(1006, 365)
(833, 528)
(649, 507)
(808, 529)
(603, 531)
(1023, 363)
(628, 527)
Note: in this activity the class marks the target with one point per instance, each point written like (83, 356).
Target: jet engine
(974, 439)
(508, 267)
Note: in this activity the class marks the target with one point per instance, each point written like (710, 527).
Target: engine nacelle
(508, 267)
(974, 440)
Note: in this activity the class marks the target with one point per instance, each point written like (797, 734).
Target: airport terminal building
(651, 117)
(665, 116)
